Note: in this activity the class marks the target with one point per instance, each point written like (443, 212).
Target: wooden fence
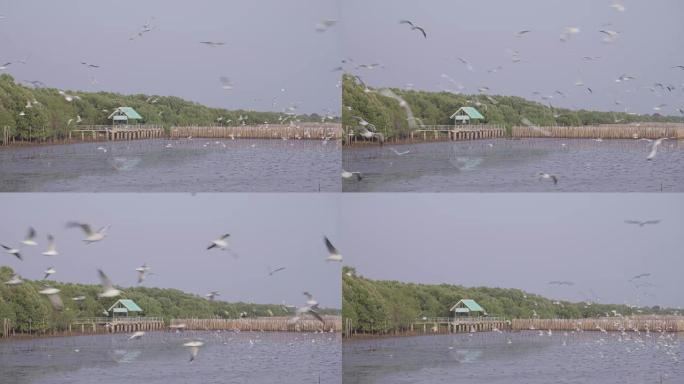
(303, 131)
(604, 131)
(267, 324)
(608, 324)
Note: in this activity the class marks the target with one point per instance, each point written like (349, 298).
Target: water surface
(520, 357)
(160, 165)
(159, 357)
(507, 165)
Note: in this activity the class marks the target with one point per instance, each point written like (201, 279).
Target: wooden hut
(468, 308)
(125, 116)
(465, 114)
(125, 308)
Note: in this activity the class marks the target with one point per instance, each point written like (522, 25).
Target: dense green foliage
(381, 306)
(49, 118)
(21, 303)
(435, 108)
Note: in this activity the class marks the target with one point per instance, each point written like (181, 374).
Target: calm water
(583, 358)
(504, 165)
(226, 357)
(198, 165)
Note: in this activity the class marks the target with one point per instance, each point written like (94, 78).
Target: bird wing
(31, 233)
(331, 248)
(632, 222)
(104, 281)
(211, 246)
(421, 30)
(227, 235)
(308, 295)
(317, 316)
(85, 227)
(652, 222)
(406, 22)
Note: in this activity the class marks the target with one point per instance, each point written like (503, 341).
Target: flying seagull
(522, 33)
(642, 223)
(108, 289)
(89, 65)
(226, 83)
(414, 27)
(556, 282)
(194, 348)
(15, 280)
(639, 276)
(548, 176)
(213, 43)
(29, 237)
(142, 272)
(53, 295)
(48, 272)
(221, 242)
(309, 310)
(334, 254)
(399, 153)
(348, 175)
(12, 251)
(211, 295)
(91, 236)
(137, 335)
(654, 148)
(271, 272)
(324, 25)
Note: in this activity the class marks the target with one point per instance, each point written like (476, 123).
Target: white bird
(310, 301)
(334, 254)
(618, 6)
(194, 348)
(273, 271)
(308, 310)
(226, 83)
(103, 149)
(347, 175)
(399, 153)
(15, 280)
(567, 32)
(108, 289)
(48, 272)
(91, 236)
(211, 295)
(137, 335)
(548, 176)
(642, 223)
(12, 251)
(324, 25)
(78, 298)
(213, 43)
(51, 248)
(221, 242)
(53, 295)
(29, 237)
(610, 35)
(654, 148)
(142, 272)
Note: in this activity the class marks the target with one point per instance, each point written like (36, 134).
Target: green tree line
(383, 306)
(26, 308)
(44, 113)
(435, 108)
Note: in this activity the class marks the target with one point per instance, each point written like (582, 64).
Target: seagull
(639, 276)
(271, 272)
(221, 242)
(399, 153)
(618, 6)
(347, 175)
(556, 282)
(90, 65)
(308, 310)
(29, 237)
(108, 289)
(211, 295)
(414, 27)
(142, 272)
(194, 348)
(213, 43)
(567, 32)
(367, 134)
(324, 25)
(15, 280)
(548, 176)
(78, 298)
(226, 83)
(137, 335)
(12, 251)
(48, 272)
(654, 148)
(53, 295)
(642, 223)
(91, 236)
(334, 253)
(522, 33)
(610, 35)
(310, 301)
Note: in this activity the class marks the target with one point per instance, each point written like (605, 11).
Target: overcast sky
(482, 32)
(270, 45)
(522, 241)
(170, 232)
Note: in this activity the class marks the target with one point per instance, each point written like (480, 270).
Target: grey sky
(270, 44)
(482, 31)
(170, 232)
(521, 241)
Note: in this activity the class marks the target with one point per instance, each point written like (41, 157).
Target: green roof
(129, 304)
(470, 111)
(127, 111)
(471, 304)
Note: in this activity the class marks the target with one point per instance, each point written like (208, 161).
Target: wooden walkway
(117, 324)
(262, 324)
(303, 131)
(604, 131)
(459, 132)
(116, 132)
